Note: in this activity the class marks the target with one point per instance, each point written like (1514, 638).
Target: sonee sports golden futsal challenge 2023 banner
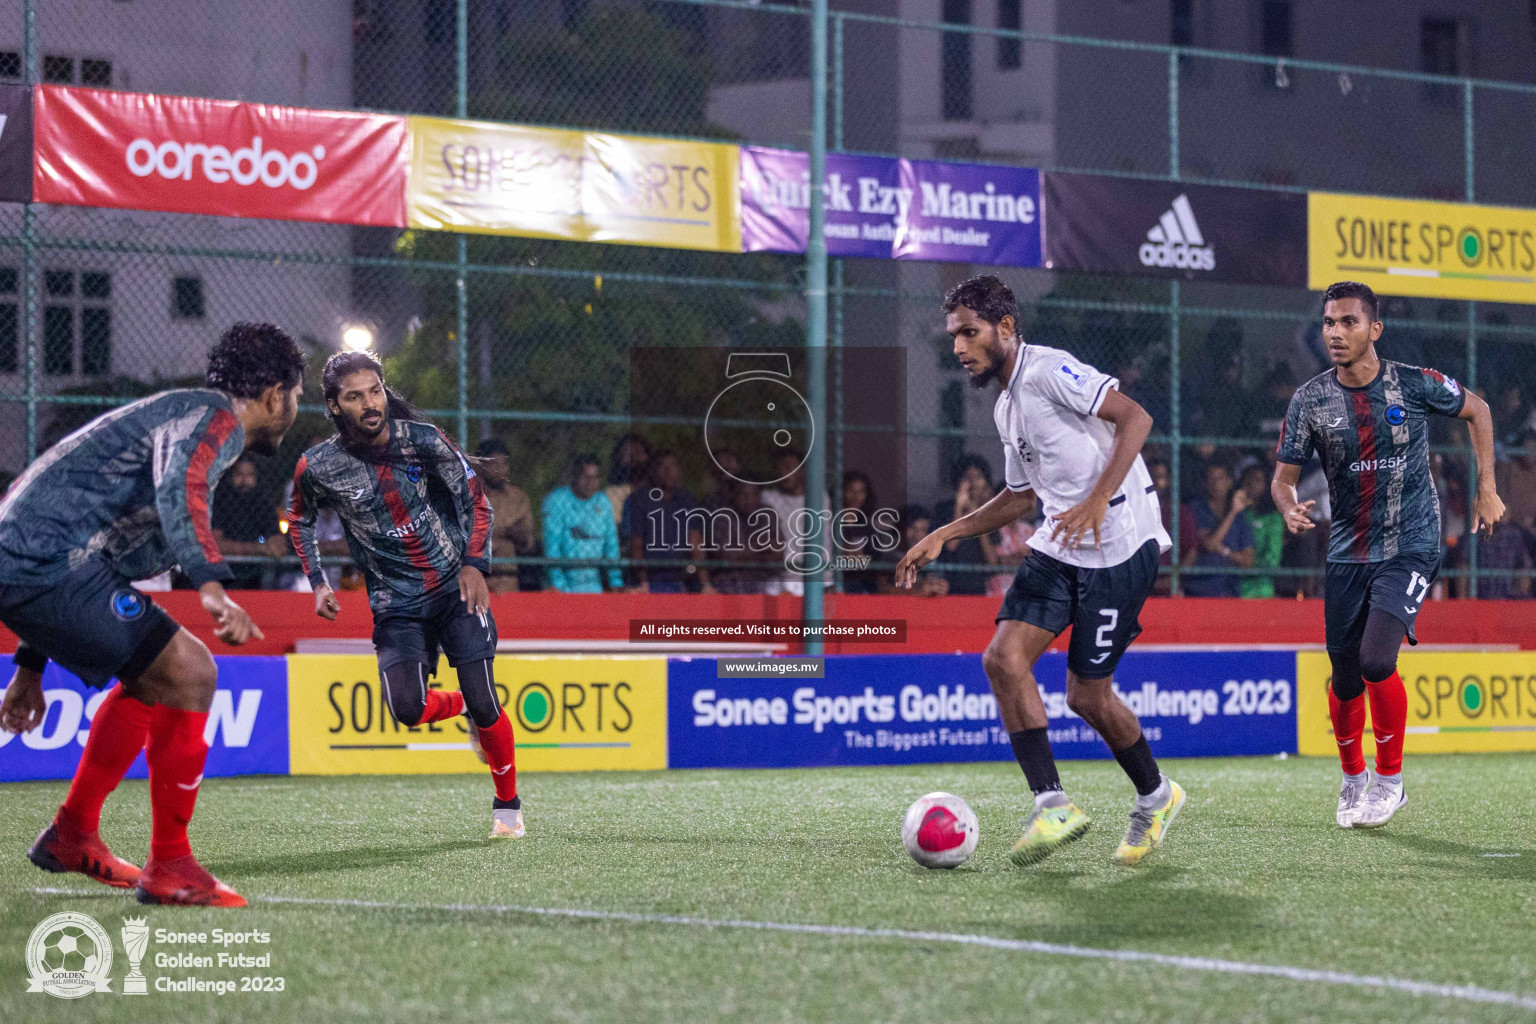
(1418, 248)
(569, 714)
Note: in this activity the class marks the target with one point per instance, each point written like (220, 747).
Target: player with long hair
(1070, 436)
(1367, 418)
(418, 524)
(125, 498)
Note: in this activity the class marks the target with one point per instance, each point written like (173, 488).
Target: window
(1010, 52)
(97, 73)
(956, 63)
(187, 298)
(1181, 22)
(60, 70)
(1275, 28)
(75, 301)
(10, 63)
(10, 322)
(1438, 45)
(59, 340)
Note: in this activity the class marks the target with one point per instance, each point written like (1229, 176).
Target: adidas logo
(1176, 241)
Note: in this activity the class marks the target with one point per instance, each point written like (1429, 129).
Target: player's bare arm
(1132, 425)
(24, 706)
(1005, 507)
(1283, 489)
(232, 624)
(1487, 507)
(326, 605)
(473, 590)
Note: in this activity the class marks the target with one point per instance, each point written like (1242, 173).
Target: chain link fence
(100, 306)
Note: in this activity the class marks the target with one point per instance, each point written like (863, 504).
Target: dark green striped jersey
(1374, 445)
(130, 487)
(413, 512)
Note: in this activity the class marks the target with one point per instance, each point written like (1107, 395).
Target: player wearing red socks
(1366, 420)
(125, 498)
(418, 523)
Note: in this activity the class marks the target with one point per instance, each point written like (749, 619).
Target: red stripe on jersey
(219, 428)
(296, 512)
(482, 530)
(1365, 434)
(401, 516)
(1281, 443)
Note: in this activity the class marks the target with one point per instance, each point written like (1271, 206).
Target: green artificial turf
(1254, 871)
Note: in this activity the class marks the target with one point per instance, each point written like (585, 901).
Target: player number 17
(1415, 580)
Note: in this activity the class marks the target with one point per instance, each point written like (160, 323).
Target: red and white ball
(939, 831)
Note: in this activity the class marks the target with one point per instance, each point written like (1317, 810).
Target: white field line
(1461, 993)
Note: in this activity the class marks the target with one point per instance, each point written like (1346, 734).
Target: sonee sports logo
(128, 604)
(1176, 241)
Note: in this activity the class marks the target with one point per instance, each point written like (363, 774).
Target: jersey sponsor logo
(128, 604)
(1176, 241)
(1396, 414)
(1338, 421)
(1076, 376)
(1367, 465)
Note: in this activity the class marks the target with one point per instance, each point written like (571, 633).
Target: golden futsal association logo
(69, 955)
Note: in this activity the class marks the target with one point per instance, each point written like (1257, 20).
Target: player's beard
(359, 432)
(994, 368)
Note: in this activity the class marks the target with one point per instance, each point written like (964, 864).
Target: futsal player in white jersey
(1071, 437)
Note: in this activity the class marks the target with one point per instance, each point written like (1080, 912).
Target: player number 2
(1102, 637)
(1416, 580)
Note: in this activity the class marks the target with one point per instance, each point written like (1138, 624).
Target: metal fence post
(29, 248)
(1174, 484)
(836, 298)
(1173, 114)
(816, 309)
(461, 298)
(1471, 385)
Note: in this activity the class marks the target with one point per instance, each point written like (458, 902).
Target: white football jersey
(1055, 444)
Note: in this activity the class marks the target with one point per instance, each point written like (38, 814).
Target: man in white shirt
(1071, 437)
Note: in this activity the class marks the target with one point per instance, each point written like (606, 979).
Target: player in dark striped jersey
(1366, 420)
(418, 524)
(125, 498)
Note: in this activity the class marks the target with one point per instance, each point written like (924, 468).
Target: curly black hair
(986, 296)
(250, 358)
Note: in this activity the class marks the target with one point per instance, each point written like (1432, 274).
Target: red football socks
(176, 756)
(501, 755)
(1348, 728)
(442, 704)
(1389, 720)
(117, 735)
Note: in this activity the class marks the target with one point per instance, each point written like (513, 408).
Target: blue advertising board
(918, 709)
(247, 724)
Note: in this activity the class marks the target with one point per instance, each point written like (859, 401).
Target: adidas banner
(1106, 225)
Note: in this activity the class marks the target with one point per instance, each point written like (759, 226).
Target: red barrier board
(934, 625)
(96, 147)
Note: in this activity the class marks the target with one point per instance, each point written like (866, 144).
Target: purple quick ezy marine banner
(883, 208)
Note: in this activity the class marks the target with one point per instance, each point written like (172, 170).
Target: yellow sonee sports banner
(1457, 703)
(1416, 247)
(577, 186)
(568, 714)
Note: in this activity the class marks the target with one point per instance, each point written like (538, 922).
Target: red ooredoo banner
(182, 155)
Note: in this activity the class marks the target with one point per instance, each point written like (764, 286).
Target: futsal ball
(70, 949)
(939, 831)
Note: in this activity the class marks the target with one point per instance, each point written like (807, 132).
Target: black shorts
(1397, 586)
(92, 622)
(1101, 605)
(440, 621)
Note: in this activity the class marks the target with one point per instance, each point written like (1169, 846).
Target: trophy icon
(135, 934)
